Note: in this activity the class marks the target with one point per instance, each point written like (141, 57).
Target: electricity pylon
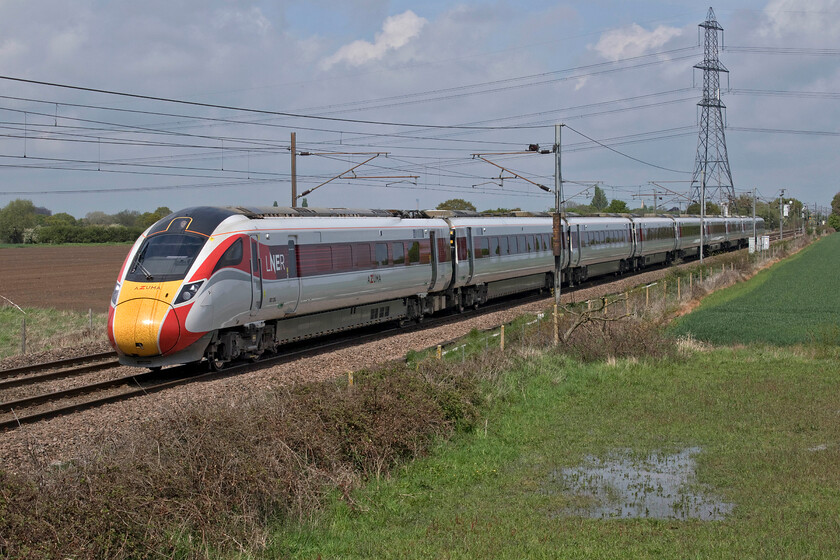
(711, 167)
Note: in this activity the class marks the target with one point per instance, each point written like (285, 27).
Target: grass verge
(47, 329)
(764, 420)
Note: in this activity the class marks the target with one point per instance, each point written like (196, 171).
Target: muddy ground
(65, 278)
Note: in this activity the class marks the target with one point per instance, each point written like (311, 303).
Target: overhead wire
(274, 147)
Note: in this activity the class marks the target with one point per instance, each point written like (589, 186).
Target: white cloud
(396, 32)
(811, 17)
(251, 20)
(633, 41)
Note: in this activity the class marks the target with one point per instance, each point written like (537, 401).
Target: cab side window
(231, 257)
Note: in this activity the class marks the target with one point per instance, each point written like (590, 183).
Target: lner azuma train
(220, 284)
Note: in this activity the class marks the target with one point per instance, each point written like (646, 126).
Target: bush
(213, 475)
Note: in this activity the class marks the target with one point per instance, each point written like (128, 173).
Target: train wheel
(216, 365)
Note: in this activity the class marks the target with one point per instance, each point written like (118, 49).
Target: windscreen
(165, 257)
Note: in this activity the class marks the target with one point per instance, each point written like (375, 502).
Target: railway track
(50, 404)
(46, 371)
(788, 234)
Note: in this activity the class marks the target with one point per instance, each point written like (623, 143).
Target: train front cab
(150, 304)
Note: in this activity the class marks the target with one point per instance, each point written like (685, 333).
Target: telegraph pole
(781, 217)
(294, 172)
(557, 229)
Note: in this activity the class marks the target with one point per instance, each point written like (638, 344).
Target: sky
(118, 105)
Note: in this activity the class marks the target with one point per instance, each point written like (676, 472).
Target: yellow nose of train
(143, 323)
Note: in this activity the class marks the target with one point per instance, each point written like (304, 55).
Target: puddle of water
(656, 487)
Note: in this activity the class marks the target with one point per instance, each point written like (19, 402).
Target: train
(215, 285)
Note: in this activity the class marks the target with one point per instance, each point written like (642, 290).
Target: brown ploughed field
(67, 278)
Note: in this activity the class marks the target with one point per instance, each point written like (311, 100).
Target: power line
(784, 50)
(249, 110)
(459, 91)
(784, 131)
(626, 155)
(787, 93)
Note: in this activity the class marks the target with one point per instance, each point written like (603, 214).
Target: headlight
(188, 292)
(116, 295)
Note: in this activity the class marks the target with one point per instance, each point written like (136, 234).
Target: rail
(151, 382)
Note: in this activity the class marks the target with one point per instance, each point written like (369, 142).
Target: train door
(256, 276)
(434, 259)
(470, 254)
(565, 245)
(291, 304)
(574, 246)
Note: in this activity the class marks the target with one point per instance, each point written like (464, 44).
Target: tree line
(23, 222)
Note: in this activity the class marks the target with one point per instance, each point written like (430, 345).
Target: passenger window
(444, 253)
(503, 246)
(314, 260)
(381, 252)
(414, 253)
(484, 243)
(398, 249)
(361, 256)
(461, 243)
(341, 258)
(494, 246)
(425, 252)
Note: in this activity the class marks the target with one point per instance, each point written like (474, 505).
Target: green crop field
(794, 302)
